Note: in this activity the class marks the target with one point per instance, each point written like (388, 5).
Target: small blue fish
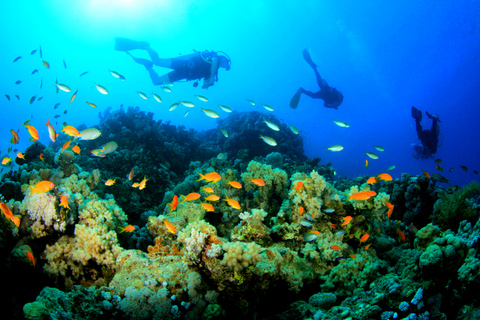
(17, 96)
(40, 48)
(33, 52)
(56, 105)
(32, 99)
(34, 71)
(17, 58)
(64, 64)
(18, 82)
(8, 97)
(82, 74)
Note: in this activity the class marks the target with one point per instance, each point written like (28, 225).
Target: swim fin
(416, 114)
(295, 99)
(124, 44)
(308, 58)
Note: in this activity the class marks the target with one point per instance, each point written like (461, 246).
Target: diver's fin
(295, 99)
(308, 58)
(124, 44)
(416, 114)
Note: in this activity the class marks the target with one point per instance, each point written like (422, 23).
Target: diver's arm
(207, 82)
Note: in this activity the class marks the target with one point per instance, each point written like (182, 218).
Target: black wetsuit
(429, 138)
(193, 68)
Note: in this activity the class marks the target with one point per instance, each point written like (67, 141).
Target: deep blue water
(384, 58)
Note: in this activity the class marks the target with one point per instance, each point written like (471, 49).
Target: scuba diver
(193, 66)
(429, 138)
(331, 96)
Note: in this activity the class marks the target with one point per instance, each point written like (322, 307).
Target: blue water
(383, 57)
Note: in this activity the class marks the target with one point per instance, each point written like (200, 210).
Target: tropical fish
(346, 220)
(299, 186)
(64, 64)
(117, 75)
(309, 237)
(170, 227)
(225, 108)
(438, 161)
(439, 178)
(390, 168)
(364, 237)
(366, 163)
(173, 106)
(306, 223)
(207, 206)
(6, 160)
(173, 204)
(143, 183)
(210, 113)
(110, 182)
(379, 148)
(372, 180)
(31, 258)
(32, 99)
(46, 64)
(39, 98)
(251, 102)
(301, 210)
(166, 89)
(17, 96)
(341, 124)
(212, 197)
(367, 246)
(268, 140)
(258, 182)
(475, 171)
(266, 106)
(271, 125)
(335, 147)
(63, 87)
(222, 156)
(17, 58)
(20, 155)
(101, 89)
(66, 145)
(73, 97)
(130, 175)
(128, 228)
(40, 52)
(33, 52)
(210, 177)
(89, 134)
(371, 155)
(186, 113)
(202, 98)
(233, 203)
(142, 95)
(157, 97)
(191, 196)
(64, 202)
(109, 147)
(401, 235)
(41, 187)
(385, 177)
(235, 184)
(32, 131)
(329, 210)
(93, 105)
(8, 97)
(439, 168)
(362, 195)
(294, 129)
(8, 213)
(70, 131)
(225, 133)
(76, 149)
(335, 247)
(18, 82)
(188, 104)
(464, 168)
(208, 189)
(451, 170)
(15, 137)
(51, 131)
(426, 174)
(41, 156)
(82, 74)
(390, 209)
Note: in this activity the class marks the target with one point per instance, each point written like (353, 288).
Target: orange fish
(6, 160)
(364, 237)
(207, 206)
(191, 197)
(315, 231)
(66, 144)
(128, 228)
(15, 137)
(385, 177)
(299, 186)
(76, 149)
(402, 235)
(390, 209)
(30, 256)
(64, 202)
(210, 177)
(235, 184)
(136, 184)
(73, 96)
(51, 131)
(367, 246)
(170, 227)
(110, 182)
(362, 195)
(366, 163)
(32, 131)
(258, 182)
(208, 189)
(333, 225)
(41, 156)
(173, 204)
(91, 104)
(46, 64)
(130, 176)
(233, 203)
(372, 180)
(42, 187)
(335, 247)
(212, 197)
(353, 256)
(439, 168)
(347, 220)
(143, 183)
(426, 174)
(6, 211)
(20, 155)
(301, 210)
(70, 131)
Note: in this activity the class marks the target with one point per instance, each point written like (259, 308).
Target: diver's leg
(144, 62)
(314, 95)
(124, 44)
(156, 79)
(166, 63)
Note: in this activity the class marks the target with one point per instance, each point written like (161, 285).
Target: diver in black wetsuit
(193, 66)
(429, 138)
(331, 96)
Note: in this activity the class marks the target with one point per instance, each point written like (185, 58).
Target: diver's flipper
(124, 44)
(295, 99)
(433, 117)
(308, 58)
(416, 114)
